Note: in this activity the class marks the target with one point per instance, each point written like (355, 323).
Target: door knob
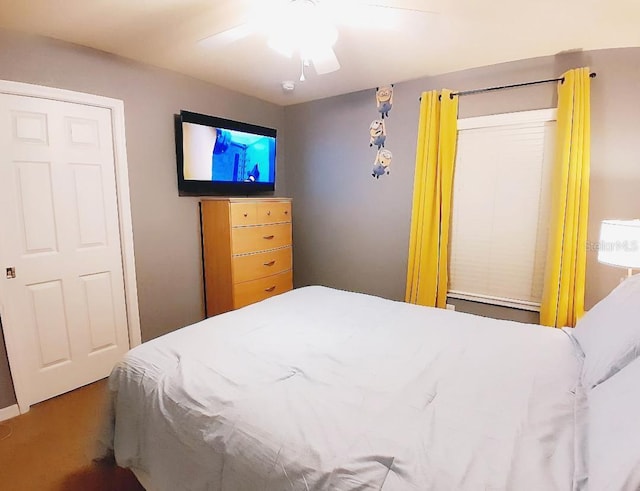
(11, 273)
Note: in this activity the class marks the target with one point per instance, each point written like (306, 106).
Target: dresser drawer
(254, 266)
(274, 212)
(260, 238)
(244, 214)
(253, 291)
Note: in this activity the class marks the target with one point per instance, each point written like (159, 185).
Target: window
(501, 205)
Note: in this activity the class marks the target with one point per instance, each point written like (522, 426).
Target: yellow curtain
(563, 296)
(427, 271)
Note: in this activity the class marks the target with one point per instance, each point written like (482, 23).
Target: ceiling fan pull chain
(302, 78)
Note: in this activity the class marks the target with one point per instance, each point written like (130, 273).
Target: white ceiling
(389, 45)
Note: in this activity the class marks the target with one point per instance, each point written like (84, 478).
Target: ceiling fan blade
(246, 17)
(325, 61)
(425, 6)
(227, 36)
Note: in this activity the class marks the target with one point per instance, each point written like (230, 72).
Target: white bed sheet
(324, 389)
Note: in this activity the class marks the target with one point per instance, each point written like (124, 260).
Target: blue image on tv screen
(243, 157)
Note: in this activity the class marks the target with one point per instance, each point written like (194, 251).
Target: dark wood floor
(52, 447)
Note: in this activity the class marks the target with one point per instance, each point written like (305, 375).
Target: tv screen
(218, 156)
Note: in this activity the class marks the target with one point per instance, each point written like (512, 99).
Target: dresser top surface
(247, 199)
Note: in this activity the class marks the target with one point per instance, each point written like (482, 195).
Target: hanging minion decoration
(377, 133)
(384, 100)
(382, 163)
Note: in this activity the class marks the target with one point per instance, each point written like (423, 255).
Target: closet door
(60, 250)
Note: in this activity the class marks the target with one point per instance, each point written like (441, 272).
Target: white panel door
(59, 234)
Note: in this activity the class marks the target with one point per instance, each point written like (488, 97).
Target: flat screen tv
(218, 156)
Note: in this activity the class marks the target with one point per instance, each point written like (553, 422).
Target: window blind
(501, 205)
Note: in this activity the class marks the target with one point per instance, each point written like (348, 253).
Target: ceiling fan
(309, 28)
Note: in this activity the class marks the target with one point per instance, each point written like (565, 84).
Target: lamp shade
(620, 243)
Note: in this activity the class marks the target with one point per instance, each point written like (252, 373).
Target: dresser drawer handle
(268, 237)
(269, 213)
(286, 212)
(270, 289)
(245, 214)
(270, 263)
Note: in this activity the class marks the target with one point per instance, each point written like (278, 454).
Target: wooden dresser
(246, 251)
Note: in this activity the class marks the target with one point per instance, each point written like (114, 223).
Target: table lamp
(620, 244)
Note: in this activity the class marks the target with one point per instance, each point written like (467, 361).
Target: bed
(324, 389)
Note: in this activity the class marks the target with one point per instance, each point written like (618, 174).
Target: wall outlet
(450, 306)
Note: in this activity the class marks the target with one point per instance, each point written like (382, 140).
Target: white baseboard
(9, 412)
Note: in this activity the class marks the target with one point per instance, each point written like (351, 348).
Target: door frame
(116, 108)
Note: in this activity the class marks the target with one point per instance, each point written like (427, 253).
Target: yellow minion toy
(384, 100)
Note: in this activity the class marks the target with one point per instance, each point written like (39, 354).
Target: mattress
(324, 389)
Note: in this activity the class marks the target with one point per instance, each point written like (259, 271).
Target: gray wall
(351, 231)
(165, 226)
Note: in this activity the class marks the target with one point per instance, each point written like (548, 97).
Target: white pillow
(614, 432)
(609, 333)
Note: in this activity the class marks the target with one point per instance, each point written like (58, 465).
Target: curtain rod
(500, 87)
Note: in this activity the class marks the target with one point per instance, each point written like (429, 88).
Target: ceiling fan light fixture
(303, 28)
(317, 38)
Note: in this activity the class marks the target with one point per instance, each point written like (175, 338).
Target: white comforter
(324, 389)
